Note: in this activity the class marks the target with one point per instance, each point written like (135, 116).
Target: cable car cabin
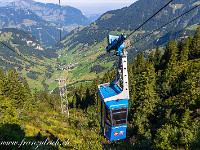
(113, 101)
(112, 114)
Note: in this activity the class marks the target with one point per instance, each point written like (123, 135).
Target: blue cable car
(113, 101)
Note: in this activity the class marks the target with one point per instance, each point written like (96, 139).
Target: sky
(80, 1)
(93, 6)
(87, 1)
(89, 7)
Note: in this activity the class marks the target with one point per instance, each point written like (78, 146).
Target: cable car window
(119, 116)
(108, 116)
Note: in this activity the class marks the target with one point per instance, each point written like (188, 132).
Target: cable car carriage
(113, 101)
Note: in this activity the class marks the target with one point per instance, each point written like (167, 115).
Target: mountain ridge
(84, 46)
(28, 21)
(41, 20)
(69, 17)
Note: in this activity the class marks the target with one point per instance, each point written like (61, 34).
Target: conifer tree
(106, 77)
(2, 81)
(139, 64)
(81, 91)
(151, 57)
(74, 101)
(195, 51)
(79, 95)
(7, 111)
(166, 55)
(93, 91)
(35, 95)
(171, 62)
(14, 89)
(173, 52)
(88, 99)
(145, 101)
(132, 91)
(184, 51)
(2, 75)
(157, 56)
(26, 87)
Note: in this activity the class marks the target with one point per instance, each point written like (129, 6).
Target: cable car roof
(109, 91)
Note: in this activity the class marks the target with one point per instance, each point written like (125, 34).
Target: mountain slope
(82, 46)
(128, 18)
(70, 17)
(29, 21)
(28, 57)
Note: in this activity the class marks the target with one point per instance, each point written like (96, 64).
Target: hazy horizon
(100, 8)
(89, 7)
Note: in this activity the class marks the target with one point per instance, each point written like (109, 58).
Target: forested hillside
(163, 113)
(84, 47)
(26, 117)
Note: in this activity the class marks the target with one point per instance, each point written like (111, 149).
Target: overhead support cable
(159, 27)
(145, 22)
(149, 18)
(167, 23)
